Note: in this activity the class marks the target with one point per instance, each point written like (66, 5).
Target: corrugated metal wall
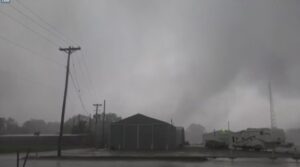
(143, 137)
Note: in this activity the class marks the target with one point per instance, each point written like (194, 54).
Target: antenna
(272, 113)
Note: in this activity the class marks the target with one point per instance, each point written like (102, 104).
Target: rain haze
(205, 62)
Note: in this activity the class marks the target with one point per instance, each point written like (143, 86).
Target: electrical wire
(58, 32)
(33, 53)
(80, 69)
(44, 21)
(78, 93)
(51, 29)
(88, 74)
(37, 23)
(29, 28)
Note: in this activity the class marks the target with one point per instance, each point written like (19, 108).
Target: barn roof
(140, 119)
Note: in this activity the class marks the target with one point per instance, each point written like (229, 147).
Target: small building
(217, 139)
(140, 132)
(180, 138)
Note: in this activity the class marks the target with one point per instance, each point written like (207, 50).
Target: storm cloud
(204, 62)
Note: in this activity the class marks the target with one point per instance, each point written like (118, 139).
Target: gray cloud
(190, 61)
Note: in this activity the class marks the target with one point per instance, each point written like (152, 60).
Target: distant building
(194, 133)
(180, 137)
(217, 139)
(140, 132)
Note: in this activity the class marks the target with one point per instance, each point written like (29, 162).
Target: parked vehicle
(249, 139)
(257, 138)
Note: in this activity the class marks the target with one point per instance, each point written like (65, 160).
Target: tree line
(77, 124)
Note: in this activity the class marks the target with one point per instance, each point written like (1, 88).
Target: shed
(140, 132)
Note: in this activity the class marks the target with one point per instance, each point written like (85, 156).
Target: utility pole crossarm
(70, 49)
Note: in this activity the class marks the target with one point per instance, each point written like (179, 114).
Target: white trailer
(258, 138)
(250, 139)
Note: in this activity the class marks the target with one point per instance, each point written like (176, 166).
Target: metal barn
(140, 132)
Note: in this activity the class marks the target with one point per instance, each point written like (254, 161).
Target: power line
(83, 74)
(76, 82)
(29, 28)
(58, 32)
(44, 21)
(48, 30)
(51, 30)
(45, 37)
(88, 75)
(75, 78)
(77, 86)
(33, 53)
(37, 23)
(78, 93)
(31, 81)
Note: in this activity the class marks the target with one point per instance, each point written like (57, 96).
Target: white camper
(251, 138)
(258, 138)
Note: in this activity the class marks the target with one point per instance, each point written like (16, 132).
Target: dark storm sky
(202, 61)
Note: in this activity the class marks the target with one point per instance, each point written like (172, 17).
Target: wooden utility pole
(103, 124)
(90, 123)
(97, 107)
(96, 123)
(69, 51)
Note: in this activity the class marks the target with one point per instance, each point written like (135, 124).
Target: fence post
(18, 159)
(27, 154)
